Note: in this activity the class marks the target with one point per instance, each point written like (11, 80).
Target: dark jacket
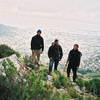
(37, 43)
(55, 51)
(74, 58)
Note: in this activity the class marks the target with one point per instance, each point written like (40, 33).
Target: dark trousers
(74, 69)
(55, 62)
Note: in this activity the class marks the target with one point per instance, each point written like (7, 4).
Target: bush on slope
(6, 51)
(92, 86)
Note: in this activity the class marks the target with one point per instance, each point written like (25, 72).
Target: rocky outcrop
(5, 64)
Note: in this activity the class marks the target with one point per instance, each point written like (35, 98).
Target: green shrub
(31, 87)
(8, 83)
(6, 51)
(4, 63)
(80, 82)
(98, 98)
(73, 93)
(86, 98)
(56, 79)
(59, 80)
(64, 96)
(43, 74)
(92, 86)
(59, 96)
(4, 88)
(80, 98)
(27, 60)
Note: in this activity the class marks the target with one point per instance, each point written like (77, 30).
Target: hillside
(20, 81)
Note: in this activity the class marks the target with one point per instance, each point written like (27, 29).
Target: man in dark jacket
(55, 55)
(37, 47)
(73, 61)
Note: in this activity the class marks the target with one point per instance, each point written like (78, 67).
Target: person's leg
(34, 57)
(68, 71)
(74, 74)
(51, 65)
(56, 65)
(38, 56)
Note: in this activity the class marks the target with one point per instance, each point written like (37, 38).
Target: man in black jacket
(37, 47)
(73, 61)
(55, 55)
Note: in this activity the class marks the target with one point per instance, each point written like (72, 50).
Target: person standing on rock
(37, 47)
(73, 61)
(55, 54)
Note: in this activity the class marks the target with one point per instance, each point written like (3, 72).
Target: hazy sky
(21, 12)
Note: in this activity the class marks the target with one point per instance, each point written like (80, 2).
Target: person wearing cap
(37, 47)
(73, 61)
(55, 54)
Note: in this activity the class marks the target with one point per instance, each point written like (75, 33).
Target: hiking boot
(49, 73)
(74, 81)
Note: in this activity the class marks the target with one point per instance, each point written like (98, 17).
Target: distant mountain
(7, 30)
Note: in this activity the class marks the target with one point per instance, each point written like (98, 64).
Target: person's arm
(50, 52)
(79, 59)
(32, 44)
(61, 53)
(42, 45)
(68, 58)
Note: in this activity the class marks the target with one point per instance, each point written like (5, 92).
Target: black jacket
(74, 58)
(55, 52)
(37, 43)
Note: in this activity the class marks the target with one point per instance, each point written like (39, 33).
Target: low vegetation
(30, 86)
(33, 85)
(60, 81)
(6, 51)
(88, 97)
(92, 85)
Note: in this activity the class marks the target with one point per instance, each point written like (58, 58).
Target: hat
(39, 31)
